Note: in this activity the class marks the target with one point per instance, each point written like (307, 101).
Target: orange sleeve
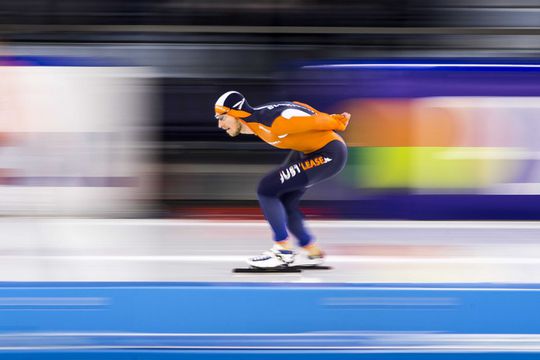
(316, 122)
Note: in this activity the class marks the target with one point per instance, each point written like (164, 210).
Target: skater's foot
(276, 257)
(304, 259)
(313, 250)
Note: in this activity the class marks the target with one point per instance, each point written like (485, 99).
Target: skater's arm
(317, 122)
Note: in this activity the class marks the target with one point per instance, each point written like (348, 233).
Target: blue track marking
(161, 320)
(250, 308)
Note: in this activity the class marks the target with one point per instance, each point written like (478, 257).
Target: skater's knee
(291, 209)
(294, 215)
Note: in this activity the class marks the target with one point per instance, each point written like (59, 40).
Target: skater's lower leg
(285, 244)
(275, 214)
(306, 241)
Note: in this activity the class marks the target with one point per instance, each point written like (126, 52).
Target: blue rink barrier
(268, 320)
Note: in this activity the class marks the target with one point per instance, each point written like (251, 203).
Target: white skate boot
(276, 257)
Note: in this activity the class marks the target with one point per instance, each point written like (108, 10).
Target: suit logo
(295, 169)
(288, 173)
(239, 104)
(311, 163)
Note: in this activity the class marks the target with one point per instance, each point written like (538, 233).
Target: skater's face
(230, 124)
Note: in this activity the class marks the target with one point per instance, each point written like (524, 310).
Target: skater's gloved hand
(343, 120)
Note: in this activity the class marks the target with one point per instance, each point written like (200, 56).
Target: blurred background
(106, 106)
(123, 207)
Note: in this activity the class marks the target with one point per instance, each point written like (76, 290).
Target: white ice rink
(43, 249)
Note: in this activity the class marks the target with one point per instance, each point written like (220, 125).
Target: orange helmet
(232, 103)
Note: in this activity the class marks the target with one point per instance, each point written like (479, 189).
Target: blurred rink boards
(71, 136)
(477, 145)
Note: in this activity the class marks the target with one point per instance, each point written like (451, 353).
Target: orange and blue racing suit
(317, 153)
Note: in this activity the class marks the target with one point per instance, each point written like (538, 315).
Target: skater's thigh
(284, 179)
(324, 163)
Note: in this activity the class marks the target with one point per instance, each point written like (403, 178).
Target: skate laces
(274, 252)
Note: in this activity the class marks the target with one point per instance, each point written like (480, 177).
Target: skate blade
(269, 270)
(313, 267)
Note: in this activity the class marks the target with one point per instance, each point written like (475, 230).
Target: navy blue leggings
(279, 192)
